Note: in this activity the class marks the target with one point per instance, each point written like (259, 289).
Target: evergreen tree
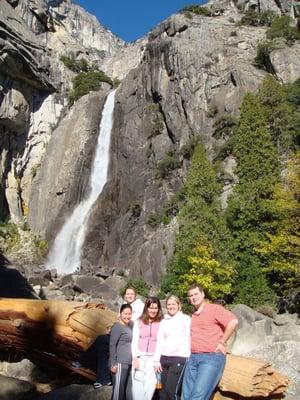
(248, 214)
(280, 249)
(200, 224)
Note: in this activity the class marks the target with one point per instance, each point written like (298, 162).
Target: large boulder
(276, 340)
(16, 389)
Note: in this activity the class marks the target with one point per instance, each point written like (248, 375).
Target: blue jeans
(202, 374)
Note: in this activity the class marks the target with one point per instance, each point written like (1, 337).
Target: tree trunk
(50, 331)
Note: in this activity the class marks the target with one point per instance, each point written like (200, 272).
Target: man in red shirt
(211, 327)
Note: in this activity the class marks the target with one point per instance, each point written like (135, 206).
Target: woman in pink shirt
(172, 349)
(144, 339)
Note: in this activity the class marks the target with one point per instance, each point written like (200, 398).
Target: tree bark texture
(51, 332)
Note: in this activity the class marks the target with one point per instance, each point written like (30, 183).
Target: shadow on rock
(79, 392)
(16, 389)
(13, 284)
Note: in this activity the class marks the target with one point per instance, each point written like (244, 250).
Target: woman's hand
(114, 369)
(157, 367)
(135, 363)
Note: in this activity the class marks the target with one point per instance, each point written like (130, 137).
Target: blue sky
(132, 19)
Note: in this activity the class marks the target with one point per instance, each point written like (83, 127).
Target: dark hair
(145, 317)
(124, 306)
(222, 302)
(196, 286)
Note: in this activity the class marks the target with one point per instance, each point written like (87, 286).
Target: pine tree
(200, 221)
(248, 215)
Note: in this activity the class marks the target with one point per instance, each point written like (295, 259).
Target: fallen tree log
(250, 378)
(51, 331)
(56, 332)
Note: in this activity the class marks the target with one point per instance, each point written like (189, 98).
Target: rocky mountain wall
(188, 68)
(64, 173)
(35, 83)
(171, 81)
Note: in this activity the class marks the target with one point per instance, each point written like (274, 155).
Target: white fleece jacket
(173, 337)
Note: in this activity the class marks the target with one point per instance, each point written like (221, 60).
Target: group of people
(187, 353)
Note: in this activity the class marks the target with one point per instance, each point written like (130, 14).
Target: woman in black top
(120, 354)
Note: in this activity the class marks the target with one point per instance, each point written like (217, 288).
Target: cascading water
(65, 254)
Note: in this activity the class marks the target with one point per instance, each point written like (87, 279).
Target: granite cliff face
(170, 82)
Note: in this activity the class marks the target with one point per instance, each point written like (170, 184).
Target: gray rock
(79, 392)
(274, 340)
(247, 315)
(15, 389)
(64, 173)
(14, 284)
(87, 284)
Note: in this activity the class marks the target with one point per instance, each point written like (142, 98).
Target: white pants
(143, 379)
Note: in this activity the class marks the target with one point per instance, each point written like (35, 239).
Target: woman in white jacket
(172, 349)
(130, 297)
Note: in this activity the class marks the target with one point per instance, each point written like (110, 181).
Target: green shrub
(255, 18)
(165, 166)
(135, 209)
(168, 210)
(262, 59)
(41, 246)
(86, 82)
(158, 218)
(212, 111)
(293, 93)
(80, 65)
(187, 150)
(154, 219)
(10, 235)
(142, 288)
(224, 126)
(189, 15)
(116, 82)
(282, 27)
(34, 170)
(198, 10)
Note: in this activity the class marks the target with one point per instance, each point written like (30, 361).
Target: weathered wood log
(49, 331)
(245, 377)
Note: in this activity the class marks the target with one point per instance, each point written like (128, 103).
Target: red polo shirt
(208, 326)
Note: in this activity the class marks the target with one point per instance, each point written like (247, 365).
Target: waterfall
(65, 254)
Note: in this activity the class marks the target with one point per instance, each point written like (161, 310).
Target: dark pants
(122, 383)
(96, 358)
(171, 377)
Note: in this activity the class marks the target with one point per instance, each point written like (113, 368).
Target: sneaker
(76, 364)
(97, 385)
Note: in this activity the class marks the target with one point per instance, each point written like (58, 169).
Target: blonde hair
(175, 298)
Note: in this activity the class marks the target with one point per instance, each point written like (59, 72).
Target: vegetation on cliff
(88, 77)
(202, 248)
(255, 242)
